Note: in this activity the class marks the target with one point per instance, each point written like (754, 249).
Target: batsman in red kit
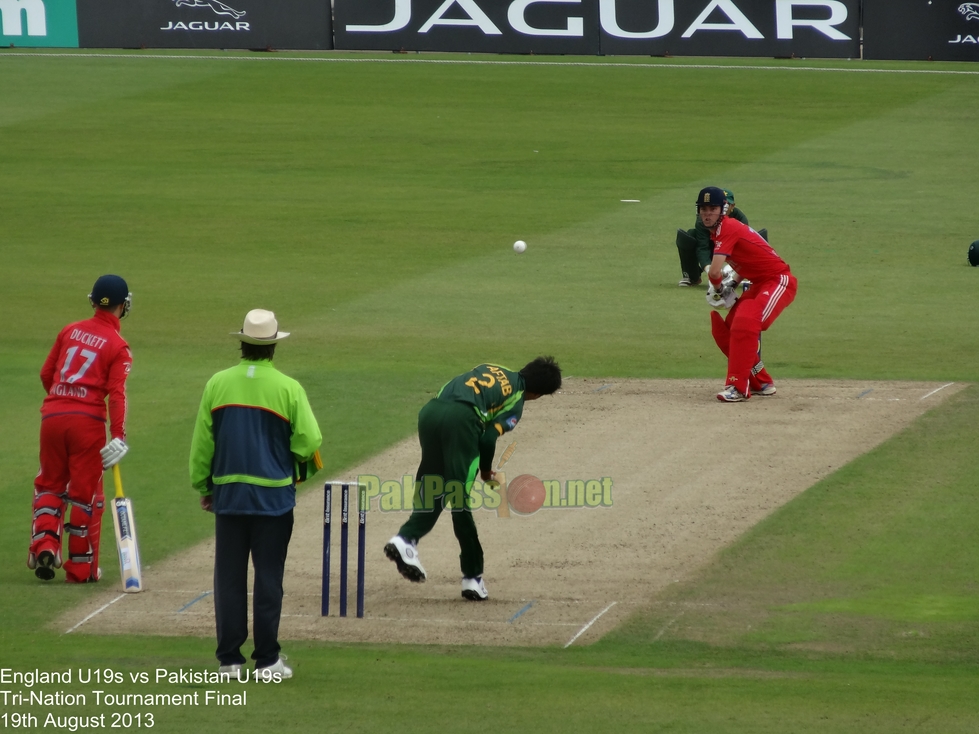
(88, 362)
(773, 287)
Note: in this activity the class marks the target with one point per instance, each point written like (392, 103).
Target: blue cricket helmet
(109, 291)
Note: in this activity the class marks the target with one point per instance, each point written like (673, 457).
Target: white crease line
(489, 62)
(667, 626)
(416, 620)
(936, 390)
(97, 611)
(495, 599)
(593, 620)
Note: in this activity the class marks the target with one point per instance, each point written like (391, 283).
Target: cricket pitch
(688, 476)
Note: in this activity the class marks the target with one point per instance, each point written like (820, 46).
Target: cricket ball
(519, 246)
(526, 494)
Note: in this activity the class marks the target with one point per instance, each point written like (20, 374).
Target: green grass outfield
(372, 206)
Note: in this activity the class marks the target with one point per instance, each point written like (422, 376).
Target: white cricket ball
(519, 246)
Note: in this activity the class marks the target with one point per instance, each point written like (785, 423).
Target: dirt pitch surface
(689, 475)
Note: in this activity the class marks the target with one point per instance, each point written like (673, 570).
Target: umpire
(254, 437)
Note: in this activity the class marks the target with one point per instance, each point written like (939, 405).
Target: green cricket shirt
(496, 394)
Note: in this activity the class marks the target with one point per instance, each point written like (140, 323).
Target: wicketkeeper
(89, 362)
(773, 287)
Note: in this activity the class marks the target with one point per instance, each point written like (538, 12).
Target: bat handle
(117, 478)
(504, 509)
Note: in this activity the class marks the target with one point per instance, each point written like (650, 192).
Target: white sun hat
(260, 328)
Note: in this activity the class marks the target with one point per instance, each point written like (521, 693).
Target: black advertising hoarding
(815, 28)
(803, 28)
(281, 24)
(477, 26)
(941, 30)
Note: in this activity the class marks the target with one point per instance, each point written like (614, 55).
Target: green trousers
(449, 434)
(693, 259)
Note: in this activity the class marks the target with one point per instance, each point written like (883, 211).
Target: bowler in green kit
(457, 431)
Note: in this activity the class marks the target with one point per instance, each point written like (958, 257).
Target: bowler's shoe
(474, 589)
(405, 556)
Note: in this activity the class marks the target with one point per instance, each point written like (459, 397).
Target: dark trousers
(693, 259)
(266, 540)
(449, 435)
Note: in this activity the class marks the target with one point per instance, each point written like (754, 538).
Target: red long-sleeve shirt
(747, 252)
(89, 361)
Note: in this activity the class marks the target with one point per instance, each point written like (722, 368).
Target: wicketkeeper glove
(113, 452)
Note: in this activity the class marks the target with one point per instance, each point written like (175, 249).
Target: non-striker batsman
(88, 363)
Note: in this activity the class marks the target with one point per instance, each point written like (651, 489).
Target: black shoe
(45, 566)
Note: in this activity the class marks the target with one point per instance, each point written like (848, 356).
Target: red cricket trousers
(739, 334)
(71, 474)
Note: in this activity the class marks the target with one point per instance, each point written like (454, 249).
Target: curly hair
(542, 376)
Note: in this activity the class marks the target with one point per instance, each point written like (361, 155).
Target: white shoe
(277, 667)
(731, 394)
(474, 589)
(231, 670)
(766, 389)
(405, 556)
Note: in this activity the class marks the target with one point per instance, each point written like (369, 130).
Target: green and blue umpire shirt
(496, 395)
(254, 432)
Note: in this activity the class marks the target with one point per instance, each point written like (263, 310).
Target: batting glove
(113, 452)
(714, 297)
(729, 294)
(722, 298)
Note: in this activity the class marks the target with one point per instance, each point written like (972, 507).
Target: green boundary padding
(39, 23)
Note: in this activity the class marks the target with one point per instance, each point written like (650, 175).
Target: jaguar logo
(221, 9)
(969, 10)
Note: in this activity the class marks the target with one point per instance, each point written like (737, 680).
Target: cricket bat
(122, 518)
